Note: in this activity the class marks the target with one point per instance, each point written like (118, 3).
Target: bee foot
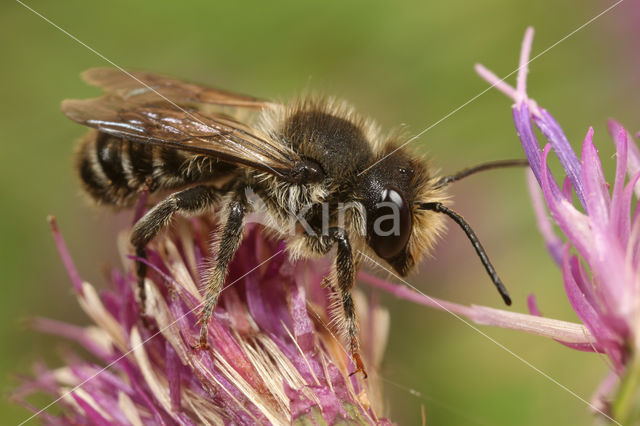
(359, 366)
(201, 346)
(204, 331)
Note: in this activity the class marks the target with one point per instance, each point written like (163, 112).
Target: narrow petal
(553, 242)
(173, 377)
(504, 87)
(532, 305)
(522, 120)
(496, 81)
(567, 189)
(579, 301)
(617, 214)
(595, 185)
(69, 265)
(404, 292)
(547, 327)
(606, 261)
(552, 328)
(583, 281)
(573, 223)
(583, 347)
(561, 146)
(94, 413)
(98, 344)
(633, 246)
(523, 67)
(608, 341)
(624, 224)
(633, 153)
(302, 325)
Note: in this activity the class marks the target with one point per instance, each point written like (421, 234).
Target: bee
(315, 159)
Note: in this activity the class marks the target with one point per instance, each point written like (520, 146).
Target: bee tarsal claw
(202, 344)
(359, 366)
(204, 331)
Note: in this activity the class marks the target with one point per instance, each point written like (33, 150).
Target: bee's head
(397, 230)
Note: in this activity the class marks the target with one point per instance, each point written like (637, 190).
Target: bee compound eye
(391, 224)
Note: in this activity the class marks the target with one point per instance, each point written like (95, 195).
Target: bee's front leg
(345, 269)
(228, 240)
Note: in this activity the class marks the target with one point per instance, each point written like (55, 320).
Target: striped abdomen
(114, 170)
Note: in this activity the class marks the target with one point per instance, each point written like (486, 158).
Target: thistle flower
(273, 359)
(600, 259)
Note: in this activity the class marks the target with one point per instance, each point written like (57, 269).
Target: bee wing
(143, 87)
(162, 123)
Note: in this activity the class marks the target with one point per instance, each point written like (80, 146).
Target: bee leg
(191, 201)
(345, 279)
(229, 240)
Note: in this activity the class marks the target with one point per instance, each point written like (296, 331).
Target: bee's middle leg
(229, 239)
(190, 201)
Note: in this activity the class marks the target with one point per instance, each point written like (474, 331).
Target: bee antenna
(440, 208)
(499, 164)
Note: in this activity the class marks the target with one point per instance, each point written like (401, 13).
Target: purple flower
(600, 258)
(273, 359)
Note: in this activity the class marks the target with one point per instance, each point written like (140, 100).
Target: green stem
(626, 407)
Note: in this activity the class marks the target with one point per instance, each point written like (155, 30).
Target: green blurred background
(400, 62)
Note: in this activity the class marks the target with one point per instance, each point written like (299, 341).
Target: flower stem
(626, 407)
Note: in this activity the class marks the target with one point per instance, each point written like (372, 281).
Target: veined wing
(162, 123)
(145, 87)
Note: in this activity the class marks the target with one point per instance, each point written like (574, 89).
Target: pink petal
(606, 260)
(523, 67)
(404, 292)
(573, 223)
(578, 299)
(93, 415)
(561, 146)
(302, 326)
(633, 154)
(71, 332)
(588, 314)
(624, 224)
(69, 265)
(173, 377)
(522, 121)
(567, 189)
(619, 215)
(495, 81)
(595, 185)
(584, 347)
(633, 246)
(532, 305)
(553, 242)
(547, 327)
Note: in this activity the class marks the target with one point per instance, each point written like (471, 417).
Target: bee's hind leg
(189, 202)
(228, 239)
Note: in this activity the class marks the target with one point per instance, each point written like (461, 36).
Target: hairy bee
(314, 160)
